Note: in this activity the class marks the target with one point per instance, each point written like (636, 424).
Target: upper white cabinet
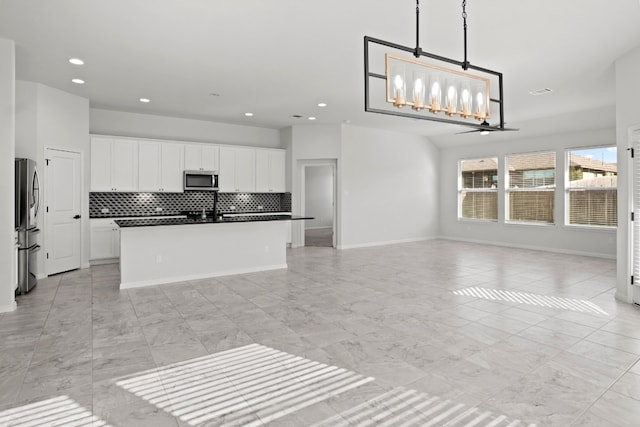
(270, 171)
(237, 170)
(160, 166)
(201, 157)
(114, 164)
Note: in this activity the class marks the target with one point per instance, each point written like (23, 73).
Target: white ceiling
(277, 58)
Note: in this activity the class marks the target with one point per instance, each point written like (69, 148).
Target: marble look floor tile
(389, 312)
(620, 342)
(566, 327)
(604, 354)
(617, 408)
(549, 337)
(589, 370)
(628, 385)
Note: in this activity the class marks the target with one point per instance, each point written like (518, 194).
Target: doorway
(62, 213)
(319, 202)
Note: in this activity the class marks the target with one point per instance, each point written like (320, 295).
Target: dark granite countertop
(150, 222)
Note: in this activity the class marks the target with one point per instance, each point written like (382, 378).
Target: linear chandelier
(431, 90)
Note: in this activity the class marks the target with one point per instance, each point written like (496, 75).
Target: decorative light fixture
(430, 90)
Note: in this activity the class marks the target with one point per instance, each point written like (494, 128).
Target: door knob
(77, 217)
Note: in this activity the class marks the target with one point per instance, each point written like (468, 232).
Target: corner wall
(7, 175)
(389, 188)
(555, 238)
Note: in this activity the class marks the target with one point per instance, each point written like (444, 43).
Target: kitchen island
(167, 250)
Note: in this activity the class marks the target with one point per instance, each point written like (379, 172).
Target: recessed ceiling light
(322, 104)
(145, 100)
(76, 61)
(78, 81)
(248, 114)
(312, 118)
(541, 91)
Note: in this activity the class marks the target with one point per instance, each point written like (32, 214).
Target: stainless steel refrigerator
(27, 206)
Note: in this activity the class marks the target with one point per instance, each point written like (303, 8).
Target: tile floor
(427, 334)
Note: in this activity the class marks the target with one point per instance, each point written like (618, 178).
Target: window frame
(461, 189)
(568, 188)
(508, 190)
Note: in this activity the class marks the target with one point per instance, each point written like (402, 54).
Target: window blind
(531, 189)
(478, 192)
(592, 195)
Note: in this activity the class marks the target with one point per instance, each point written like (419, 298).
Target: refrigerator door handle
(36, 191)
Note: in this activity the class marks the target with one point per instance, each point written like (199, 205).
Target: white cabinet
(270, 171)
(160, 166)
(201, 157)
(114, 164)
(237, 170)
(105, 239)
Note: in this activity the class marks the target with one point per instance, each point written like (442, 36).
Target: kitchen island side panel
(168, 254)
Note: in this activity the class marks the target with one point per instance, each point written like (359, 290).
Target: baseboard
(104, 261)
(386, 242)
(319, 228)
(41, 276)
(529, 247)
(132, 285)
(9, 307)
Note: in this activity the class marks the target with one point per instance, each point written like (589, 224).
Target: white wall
(627, 115)
(51, 118)
(389, 187)
(557, 237)
(318, 196)
(306, 144)
(121, 123)
(7, 175)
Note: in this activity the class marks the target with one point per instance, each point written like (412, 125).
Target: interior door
(63, 221)
(634, 136)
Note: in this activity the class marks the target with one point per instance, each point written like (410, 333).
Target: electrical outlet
(158, 259)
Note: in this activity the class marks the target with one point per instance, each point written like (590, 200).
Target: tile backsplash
(107, 205)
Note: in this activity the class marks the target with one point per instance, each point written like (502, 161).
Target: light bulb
(399, 100)
(418, 94)
(436, 93)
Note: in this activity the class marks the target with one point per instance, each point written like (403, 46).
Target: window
(531, 187)
(478, 189)
(592, 187)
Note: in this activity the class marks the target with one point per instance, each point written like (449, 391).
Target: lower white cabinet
(105, 239)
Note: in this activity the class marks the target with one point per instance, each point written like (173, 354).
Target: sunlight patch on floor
(402, 407)
(58, 411)
(247, 386)
(532, 299)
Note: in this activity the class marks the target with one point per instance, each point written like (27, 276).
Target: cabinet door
(102, 243)
(171, 167)
(227, 170)
(209, 158)
(101, 164)
(262, 171)
(149, 166)
(245, 170)
(277, 171)
(192, 157)
(124, 165)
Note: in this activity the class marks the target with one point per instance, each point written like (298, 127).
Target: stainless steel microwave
(201, 180)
